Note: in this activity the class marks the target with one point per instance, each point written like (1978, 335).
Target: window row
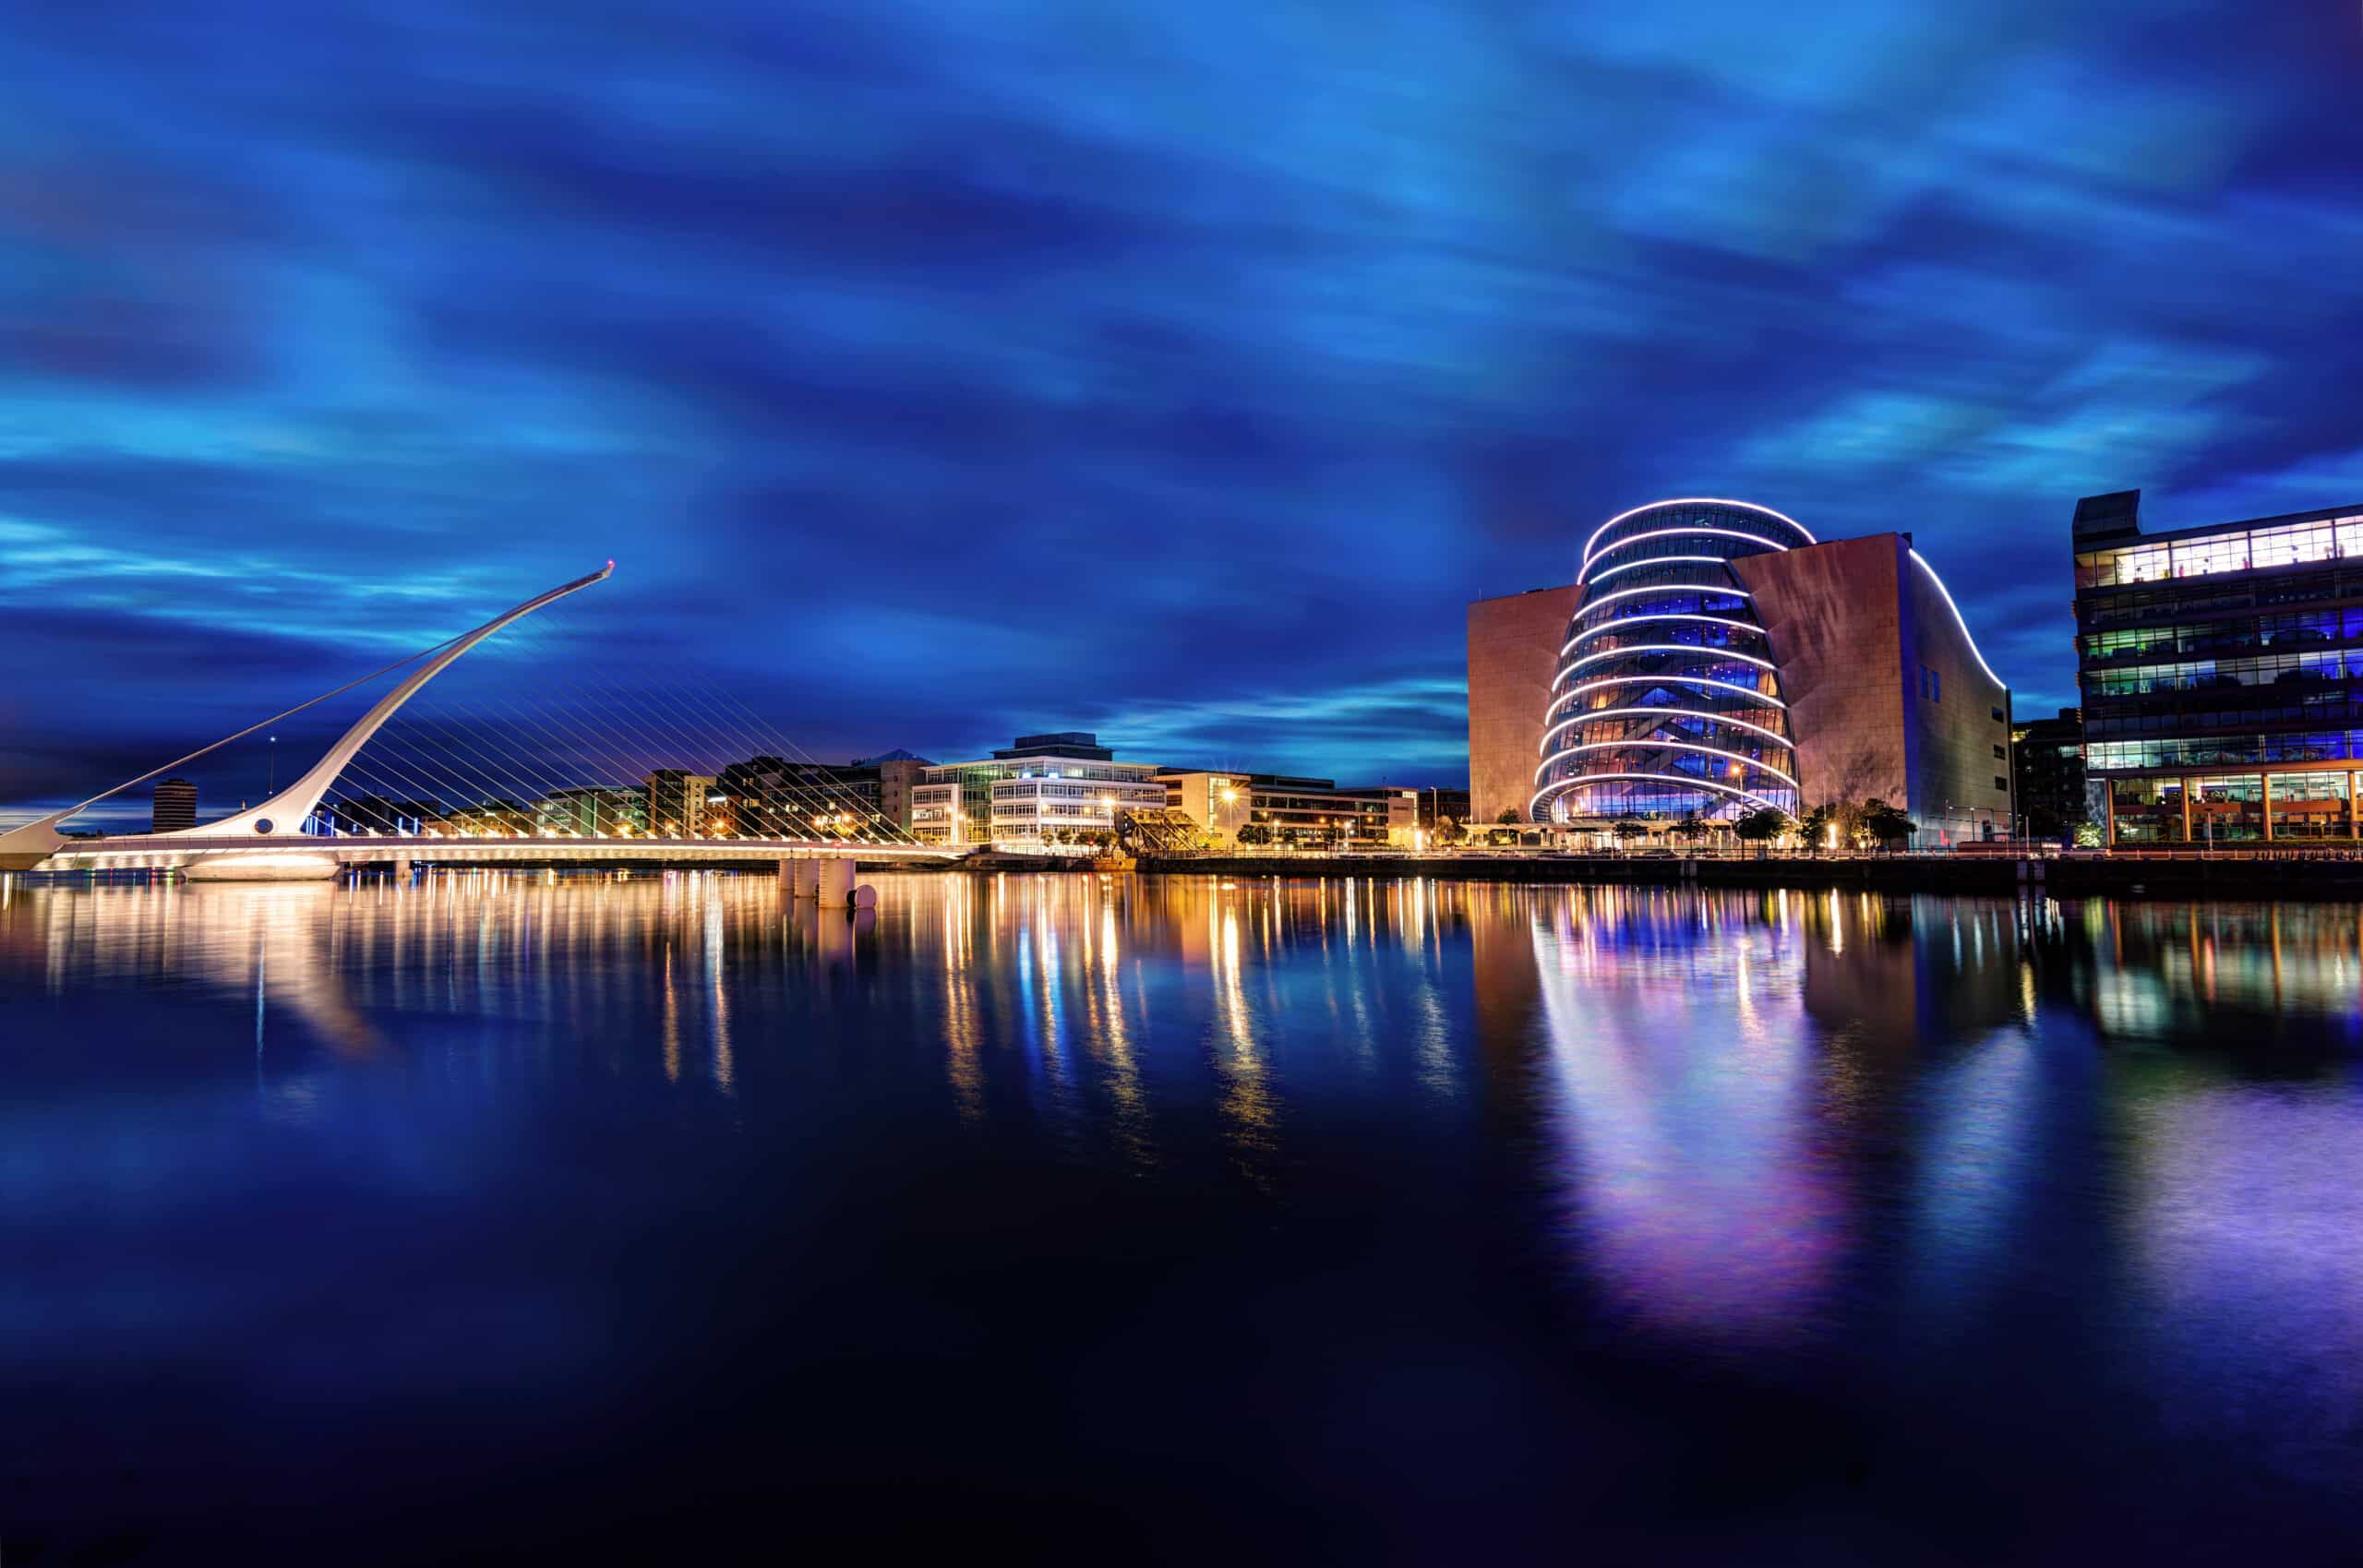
(2116, 610)
(2325, 746)
(2302, 629)
(2249, 550)
(2278, 669)
(2235, 806)
(2168, 720)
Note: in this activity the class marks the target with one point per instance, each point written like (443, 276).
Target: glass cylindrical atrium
(1667, 701)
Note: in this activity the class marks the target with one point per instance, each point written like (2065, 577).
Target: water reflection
(1755, 1124)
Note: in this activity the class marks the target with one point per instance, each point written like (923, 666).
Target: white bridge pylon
(266, 829)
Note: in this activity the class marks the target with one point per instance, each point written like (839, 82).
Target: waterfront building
(770, 795)
(1401, 807)
(1716, 658)
(894, 772)
(1298, 811)
(2047, 774)
(491, 818)
(1512, 643)
(1438, 807)
(673, 802)
(175, 806)
(1218, 802)
(591, 811)
(2215, 664)
(1024, 792)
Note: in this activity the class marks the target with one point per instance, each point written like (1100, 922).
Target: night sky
(938, 371)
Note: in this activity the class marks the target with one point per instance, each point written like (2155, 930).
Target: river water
(1171, 1218)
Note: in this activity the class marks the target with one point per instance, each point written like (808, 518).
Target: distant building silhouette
(175, 806)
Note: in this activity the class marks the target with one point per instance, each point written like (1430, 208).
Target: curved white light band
(1672, 534)
(1622, 622)
(1958, 621)
(1677, 713)
(1696, 501)
(1536, 799)
(1670, 744)
(1659, 561)
(1662, 648)
(1574, 691)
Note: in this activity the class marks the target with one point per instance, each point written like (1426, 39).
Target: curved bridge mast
(282, 815)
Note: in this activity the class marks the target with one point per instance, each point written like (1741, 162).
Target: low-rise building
(674, 803)
(895, 772)
(591, 811)
(773, 797)
(1292, 809)
(2048, 762)
(1438, 807)
(1026, 792)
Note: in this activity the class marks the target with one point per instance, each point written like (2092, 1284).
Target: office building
(1438, 807)
(2215, 665)
(593, 811)
(2047, 768)
(1025, 793)
(175, 806)
(894, 772)
(771, 797)
(1715, 659)
(1218, 802)
(673, 802)
(1302, 811)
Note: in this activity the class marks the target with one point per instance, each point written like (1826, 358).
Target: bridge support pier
(799, 878)
(833, 883)
(402, 868)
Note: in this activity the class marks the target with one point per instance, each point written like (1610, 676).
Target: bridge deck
(151, 851)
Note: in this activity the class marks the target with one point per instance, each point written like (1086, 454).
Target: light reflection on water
(2118, 1144)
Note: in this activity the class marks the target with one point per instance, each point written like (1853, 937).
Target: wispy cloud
(938, 369)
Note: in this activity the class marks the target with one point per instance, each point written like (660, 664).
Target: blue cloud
(938, 371)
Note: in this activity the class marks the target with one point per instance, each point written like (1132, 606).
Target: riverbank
(2246, 876)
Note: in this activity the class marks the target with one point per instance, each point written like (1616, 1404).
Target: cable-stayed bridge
(504, 784)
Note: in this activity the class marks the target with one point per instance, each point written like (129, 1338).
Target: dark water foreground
(495, 1218)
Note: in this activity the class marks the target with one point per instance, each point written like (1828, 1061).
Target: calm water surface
(1174, 1219)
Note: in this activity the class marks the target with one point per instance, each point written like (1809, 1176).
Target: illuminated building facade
(673, 802)
(591, 811)
(2222, 674)
(1717, 659)
(1667, 700)
(1026, 792)
(1298, 812)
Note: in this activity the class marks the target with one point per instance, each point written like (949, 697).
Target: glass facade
(1021, 796)
(2222, 674)
(1666, 701)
